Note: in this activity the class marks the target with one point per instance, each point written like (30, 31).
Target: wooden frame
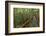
(6, 17)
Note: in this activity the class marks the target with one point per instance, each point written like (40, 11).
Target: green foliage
(21, 15)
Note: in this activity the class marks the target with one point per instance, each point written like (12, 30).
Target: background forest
(26, 17)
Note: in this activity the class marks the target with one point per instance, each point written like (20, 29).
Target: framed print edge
(6, 18)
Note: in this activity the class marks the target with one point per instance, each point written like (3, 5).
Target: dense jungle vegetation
(26, 17)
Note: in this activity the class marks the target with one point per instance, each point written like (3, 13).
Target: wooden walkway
(25, 23)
